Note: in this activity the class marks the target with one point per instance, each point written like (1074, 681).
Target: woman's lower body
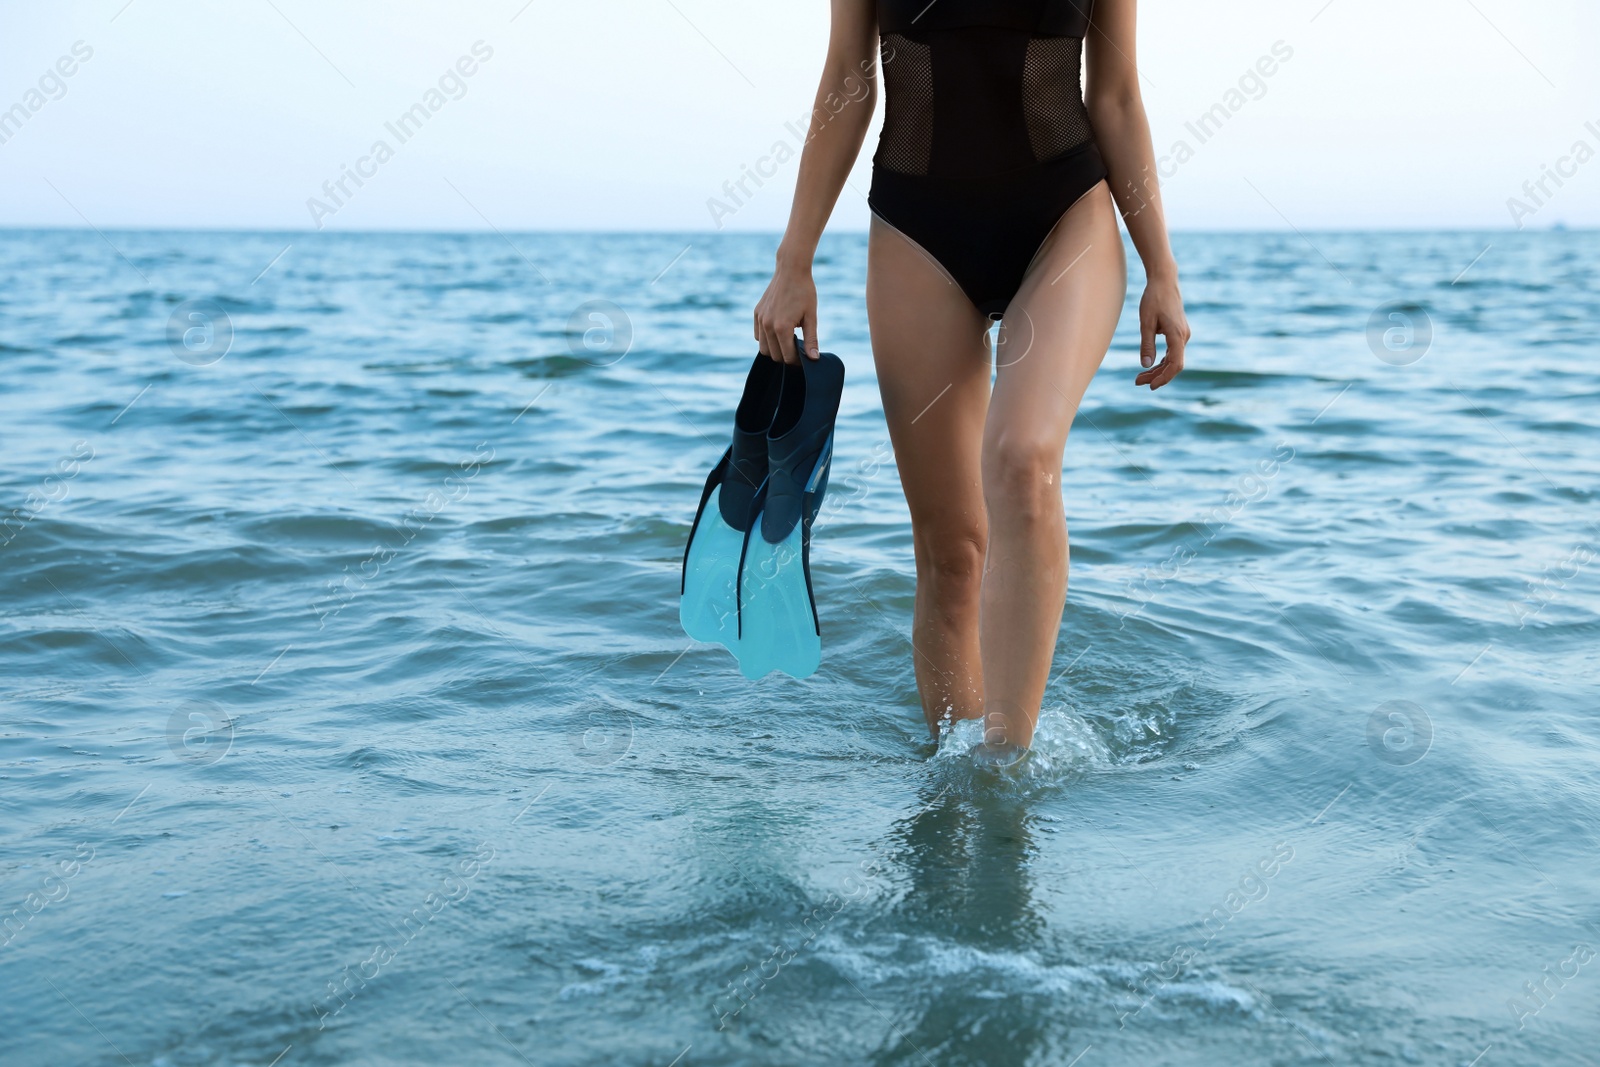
(981, 467)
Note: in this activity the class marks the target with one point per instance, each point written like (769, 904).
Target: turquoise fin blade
(779, 628)
(708, 608)
(778, 612)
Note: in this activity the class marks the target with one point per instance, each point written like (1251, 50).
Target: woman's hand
(789, 303)
(1161, 312)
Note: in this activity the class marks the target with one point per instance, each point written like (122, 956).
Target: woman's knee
(952, 558)
(1022, 476)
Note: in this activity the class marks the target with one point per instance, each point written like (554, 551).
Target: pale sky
(632, 114)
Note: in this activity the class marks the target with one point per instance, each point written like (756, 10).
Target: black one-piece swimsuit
(986, 141)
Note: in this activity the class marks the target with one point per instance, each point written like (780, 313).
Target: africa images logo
(52, 85)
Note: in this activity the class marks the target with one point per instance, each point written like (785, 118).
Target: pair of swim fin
(747, 568)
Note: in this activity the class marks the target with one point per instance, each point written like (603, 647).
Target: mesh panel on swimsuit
(907, 134)
(979, 99)
(1051, 75)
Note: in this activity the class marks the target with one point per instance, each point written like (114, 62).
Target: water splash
(1065, 744)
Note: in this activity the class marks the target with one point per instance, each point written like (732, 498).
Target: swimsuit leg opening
(1057, 224)
(929, 256)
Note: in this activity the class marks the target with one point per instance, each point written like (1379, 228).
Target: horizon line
(669, 232)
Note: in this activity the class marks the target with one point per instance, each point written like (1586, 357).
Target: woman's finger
(1160, 374)
(1147, 341)
(809, 326)
(762, 343)
(1168, 370)
(1177, 341)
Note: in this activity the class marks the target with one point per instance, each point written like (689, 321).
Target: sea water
(345, 717)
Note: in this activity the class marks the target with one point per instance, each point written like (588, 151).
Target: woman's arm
(839, 120)
(1123, 132)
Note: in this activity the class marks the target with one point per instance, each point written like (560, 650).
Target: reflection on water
(967, 862)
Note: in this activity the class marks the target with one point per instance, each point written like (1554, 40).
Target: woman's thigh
(1055, 334)
(931, 350)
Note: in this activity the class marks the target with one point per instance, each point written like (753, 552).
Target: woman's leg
(932, 354)
(1054, 336)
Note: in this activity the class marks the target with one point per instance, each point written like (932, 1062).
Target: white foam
(923, 957)
(1064, 744)
(1211, 993)
(918, 959)
(609, 975)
